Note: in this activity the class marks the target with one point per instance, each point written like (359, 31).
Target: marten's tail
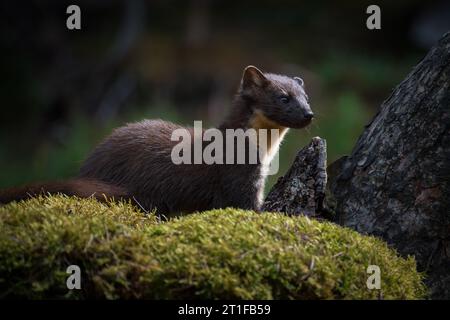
(83, 188)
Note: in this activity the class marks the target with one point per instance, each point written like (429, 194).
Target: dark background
(62, 91)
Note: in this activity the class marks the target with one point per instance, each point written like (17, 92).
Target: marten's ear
(299, 81)
(253, 77)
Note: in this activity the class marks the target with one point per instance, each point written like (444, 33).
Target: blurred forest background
(62, 91)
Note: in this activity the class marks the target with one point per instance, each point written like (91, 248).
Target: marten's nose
(309, 115)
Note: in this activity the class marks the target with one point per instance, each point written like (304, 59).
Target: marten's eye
(285, 99)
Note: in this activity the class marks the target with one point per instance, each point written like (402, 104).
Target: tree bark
(302, 189)
(396, 182)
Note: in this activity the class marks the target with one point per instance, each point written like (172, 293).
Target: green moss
(217, 254)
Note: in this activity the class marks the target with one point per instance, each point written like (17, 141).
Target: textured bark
(302, 189)
(395, 183)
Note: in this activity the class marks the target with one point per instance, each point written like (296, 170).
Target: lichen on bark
(302, 190)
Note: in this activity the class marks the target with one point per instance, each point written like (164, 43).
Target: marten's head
(275, 100)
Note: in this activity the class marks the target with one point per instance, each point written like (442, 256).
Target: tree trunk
(302, 189)
(396, 182)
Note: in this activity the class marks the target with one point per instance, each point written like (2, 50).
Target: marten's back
(137, 157)
(122, 155)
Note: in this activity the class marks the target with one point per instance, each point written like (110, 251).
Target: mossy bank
(226, 254)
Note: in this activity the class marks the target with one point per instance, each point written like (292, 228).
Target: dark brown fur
(83, 188)
(136, 158)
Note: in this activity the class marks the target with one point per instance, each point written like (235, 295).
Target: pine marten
(135, 163)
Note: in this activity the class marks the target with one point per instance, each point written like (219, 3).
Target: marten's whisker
(307, 130)
(316, 125)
